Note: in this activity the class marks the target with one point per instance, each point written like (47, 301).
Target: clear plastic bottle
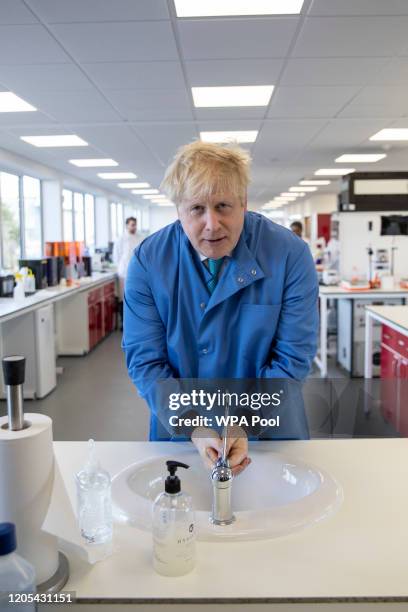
(19, 293)
(17, 576)
(173, 527)
(94, 500)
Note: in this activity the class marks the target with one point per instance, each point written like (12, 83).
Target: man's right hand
(209, 445)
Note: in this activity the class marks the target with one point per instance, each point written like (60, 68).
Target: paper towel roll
(26, 481)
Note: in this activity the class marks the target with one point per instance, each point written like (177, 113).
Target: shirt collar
(204, 257)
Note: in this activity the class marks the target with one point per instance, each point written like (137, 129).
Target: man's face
(213, 225)
(131, 227)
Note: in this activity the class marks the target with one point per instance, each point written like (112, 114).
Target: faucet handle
(221, 471)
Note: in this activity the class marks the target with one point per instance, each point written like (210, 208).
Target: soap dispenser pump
(173, 527)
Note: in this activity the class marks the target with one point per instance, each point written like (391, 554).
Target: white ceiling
(119, 74)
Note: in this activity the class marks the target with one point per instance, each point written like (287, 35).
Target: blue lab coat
(260, 322)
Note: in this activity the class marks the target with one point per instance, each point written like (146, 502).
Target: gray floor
(94, 398)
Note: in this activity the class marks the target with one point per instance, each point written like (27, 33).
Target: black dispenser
(172, 484)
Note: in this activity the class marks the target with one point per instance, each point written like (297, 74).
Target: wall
(316, 203)
(355, 238)
(51, 210)
(161, 216)
(102, 221)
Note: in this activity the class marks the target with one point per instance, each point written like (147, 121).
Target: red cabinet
(394, 374)
(109, 306)
(95, 321)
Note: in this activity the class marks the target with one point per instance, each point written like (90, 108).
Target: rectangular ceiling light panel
(116, 175)
(220, 8)
(302, 189)
(62, 140)
(133, 185)
(93, 163)
(253, 95)
(10, 103)
(231, 136)
(359, 158)
(334, 171)
(314, 182)
(391, 134)
(144, 191)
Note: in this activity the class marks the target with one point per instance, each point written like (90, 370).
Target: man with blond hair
(220, 293)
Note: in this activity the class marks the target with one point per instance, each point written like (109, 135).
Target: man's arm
(144, 338)
(295, 342)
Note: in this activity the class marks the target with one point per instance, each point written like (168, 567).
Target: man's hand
(209, 445)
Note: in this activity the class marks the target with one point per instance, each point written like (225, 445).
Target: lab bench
(337, 293)
(34, 327)
(352, 560)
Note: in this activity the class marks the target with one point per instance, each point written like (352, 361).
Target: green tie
(214, 266)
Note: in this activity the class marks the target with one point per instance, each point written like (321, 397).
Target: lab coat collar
(241, 270)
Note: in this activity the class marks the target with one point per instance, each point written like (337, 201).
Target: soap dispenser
(173, 527)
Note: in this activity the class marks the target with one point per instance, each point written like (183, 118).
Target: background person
(297, 228)
(122, 253)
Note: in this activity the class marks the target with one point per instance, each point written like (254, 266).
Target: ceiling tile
(15, 12)
(63, 11)
(44, 77)
(242, 38)
(151, 105)
(230, 114)
(278, 138)
(215, 125)
(10, 120)
(75, 106)
(165, 139)
(332, 71)
(378, 102)
(118, 142)
(107, 42)
(346, 37)
(347, 133)
(359, 7)
(309, 101)
(395, 72)
(233, 72)
(136, 75)
(29, 44)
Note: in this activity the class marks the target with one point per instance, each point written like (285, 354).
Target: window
(138, 214)
(121, 221)
(89, 221)
(32, 217)
(67, 224)
(114, 221)
(10, 220)
(79, 229)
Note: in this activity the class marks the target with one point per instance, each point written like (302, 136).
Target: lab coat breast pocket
(257, 331)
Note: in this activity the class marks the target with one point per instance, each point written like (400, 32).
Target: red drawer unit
(394, 372)
(389, 337)
(109, 308)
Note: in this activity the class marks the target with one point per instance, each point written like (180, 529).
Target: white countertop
(336, 290)
(361, 551)
(9, 308)
(396, 316)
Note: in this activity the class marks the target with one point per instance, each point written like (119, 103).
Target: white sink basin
(274, 496)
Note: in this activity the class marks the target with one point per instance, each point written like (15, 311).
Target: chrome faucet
(221, 478)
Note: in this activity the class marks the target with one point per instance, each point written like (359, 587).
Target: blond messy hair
(203, 169)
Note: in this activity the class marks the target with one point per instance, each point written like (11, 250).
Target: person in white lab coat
(122, 254)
